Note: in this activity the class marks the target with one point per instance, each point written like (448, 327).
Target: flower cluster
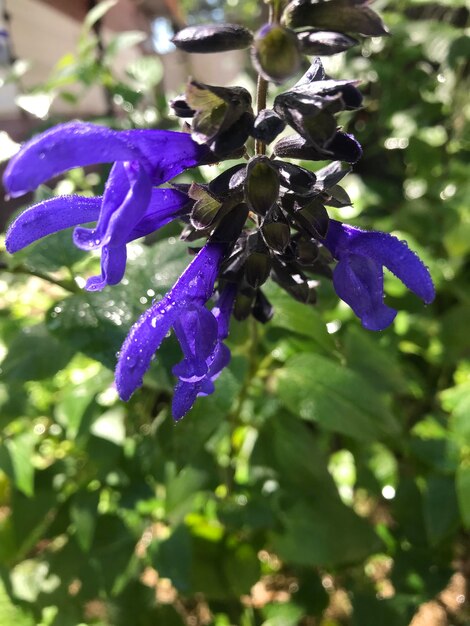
(264, 217)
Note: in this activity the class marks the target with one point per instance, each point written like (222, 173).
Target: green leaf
(97, 13)
(172, 557)
(462, 485)
(325, 533)
(12, 614)
(83, 513)
(323, 391)
(242, 568)
(16, 461)
(379, 365)
(180, 492)
(146, 70)
(298, 318)
(441, 514)
(34, 354)
(122, 41)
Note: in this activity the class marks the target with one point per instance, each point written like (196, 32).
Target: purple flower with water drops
(200, 333)
(130, 207)
(358, 275)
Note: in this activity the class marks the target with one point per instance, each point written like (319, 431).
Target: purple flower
(200, 333)
(131, 207)
(358, 276)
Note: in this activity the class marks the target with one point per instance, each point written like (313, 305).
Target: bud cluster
(278, 206)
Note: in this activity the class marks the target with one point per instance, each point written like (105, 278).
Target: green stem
(67, 285)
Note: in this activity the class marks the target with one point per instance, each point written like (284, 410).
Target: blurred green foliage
(327, 481)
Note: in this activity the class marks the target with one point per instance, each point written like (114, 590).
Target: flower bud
(276, 53)
(261, 185)
(350, 16)
(262, 308)
(213, 38)
(324, 43)
(267, 126)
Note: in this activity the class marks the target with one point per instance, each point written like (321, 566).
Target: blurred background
(327, 481)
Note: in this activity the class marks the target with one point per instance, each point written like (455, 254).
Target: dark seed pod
(268, 125)
(243, 303)
(344, 16)
(276, 230)
(231, 225)
(213, 38)
(330, 175)
(313, 218)
(229, 180)
(294, 282)
(276, 53)
(234, 138)
(324, 43)
(296, 178)
(306, 251)
(257, 268)
(262, 308)
(261, 185)
(342, 147)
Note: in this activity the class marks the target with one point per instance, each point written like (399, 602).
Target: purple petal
(195, 286)
(184, 397)
(162, 153)
(386, 250)
(75, 144)
(113, 266)
(223, 309)
(165, 205)
(359, 282)
(196, 331)
(125, 201)
(49, 217)
(396, 256)
(168, 152)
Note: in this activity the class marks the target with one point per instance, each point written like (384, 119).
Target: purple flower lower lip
(358, 276)
(199, 331)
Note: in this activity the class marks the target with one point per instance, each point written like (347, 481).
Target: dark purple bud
(261, 185)
(344, 16)
(268, 125)
(243, 304)
(294, 282)
(324, 43)
(276, 53)
(213, 38)
(262, 308)
(233, 138)
(342, 147)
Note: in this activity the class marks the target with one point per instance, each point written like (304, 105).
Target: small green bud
(276, 53)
